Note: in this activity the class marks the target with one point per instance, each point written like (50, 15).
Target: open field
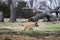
(45, 30)
(43, 26)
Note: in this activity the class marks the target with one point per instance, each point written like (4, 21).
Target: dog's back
(29, 25)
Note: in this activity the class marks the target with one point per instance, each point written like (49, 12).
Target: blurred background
(30, 7)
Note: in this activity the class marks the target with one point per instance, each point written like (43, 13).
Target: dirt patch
(22, 37)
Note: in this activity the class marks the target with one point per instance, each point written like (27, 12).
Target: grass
(44, 27)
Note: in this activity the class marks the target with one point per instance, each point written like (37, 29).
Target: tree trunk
(13, 15)
(56, 11)
(1, 17)
(12, 12)
(37, 17)
(40, 16)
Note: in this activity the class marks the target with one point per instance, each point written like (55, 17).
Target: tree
(55, 10)
(1, 12)
(12, 10)
(40, 16)
(1, 17)
(23, 11)
(31, 3)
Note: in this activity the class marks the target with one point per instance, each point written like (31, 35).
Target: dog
(29, 26)
(32, 20)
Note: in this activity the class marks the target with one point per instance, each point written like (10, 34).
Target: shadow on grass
(30, 33)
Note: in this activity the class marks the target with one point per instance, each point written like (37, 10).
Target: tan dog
(29, 26)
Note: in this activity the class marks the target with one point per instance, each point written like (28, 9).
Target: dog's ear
(36, 24)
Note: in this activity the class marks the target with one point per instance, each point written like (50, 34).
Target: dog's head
(31, 20)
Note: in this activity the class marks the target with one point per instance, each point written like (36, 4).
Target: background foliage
(21, 13)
